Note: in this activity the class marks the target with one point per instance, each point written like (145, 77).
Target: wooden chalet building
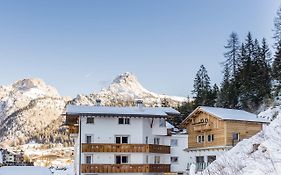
(212, 131)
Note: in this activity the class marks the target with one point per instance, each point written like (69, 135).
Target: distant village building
(211, 131)
(11, 158)
(125, 140)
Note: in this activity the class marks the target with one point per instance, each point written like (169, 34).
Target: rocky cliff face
(27, 108)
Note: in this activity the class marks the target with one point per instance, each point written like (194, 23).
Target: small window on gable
(206, 120)
(200, 139)
(90, 120)
(202, 120)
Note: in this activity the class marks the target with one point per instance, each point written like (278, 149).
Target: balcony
(73, 129)
(71, 120)
(142, 148)
(201, 127)
(125, 168)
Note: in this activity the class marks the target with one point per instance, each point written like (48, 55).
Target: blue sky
(80, 46)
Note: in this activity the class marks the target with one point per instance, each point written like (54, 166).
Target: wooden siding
(125, 168)
(144, 148)
(205, 124)
(245, 130)
(212, 126)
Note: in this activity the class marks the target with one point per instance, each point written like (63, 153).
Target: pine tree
(277, 29)
(276, 66)
(232, 53)
(202, 88)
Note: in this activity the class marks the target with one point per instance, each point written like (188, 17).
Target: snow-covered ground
(258, 155)
(55, 155)
(24, 170)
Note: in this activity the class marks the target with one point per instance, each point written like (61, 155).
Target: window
(146, 159)
(90, 120)
(88, 159)
(121, 139)
(157, 160)
(89, 139)
(211, 137)
(121, 159)
(199, 159)
(146, 140)
(174, 160)
(157, 141)
(210, 159)
(200, 139)
(174, 142)
(123, 121)
(235, 136)
(162, 123)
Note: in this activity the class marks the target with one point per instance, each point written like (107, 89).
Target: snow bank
(24, 170)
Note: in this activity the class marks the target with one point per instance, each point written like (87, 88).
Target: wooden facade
(125, 168)
(144, 148)
(217, 132)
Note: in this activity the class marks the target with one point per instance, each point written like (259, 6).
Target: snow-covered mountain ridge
(31, 110)
(124, 90)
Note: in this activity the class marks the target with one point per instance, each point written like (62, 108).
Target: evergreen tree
(232, 53)
(276, 69)
(202, 88)
(277, 29)
(276, 66)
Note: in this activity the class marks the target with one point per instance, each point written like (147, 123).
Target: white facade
(179, 157)
(142, 129)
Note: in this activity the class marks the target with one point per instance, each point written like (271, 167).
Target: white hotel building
(125, 140)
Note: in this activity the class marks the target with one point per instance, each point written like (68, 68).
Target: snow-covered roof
(229, 114)
(169, 125)
(24, 170)
(110, 110)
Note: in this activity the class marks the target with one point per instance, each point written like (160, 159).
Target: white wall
(178, 151)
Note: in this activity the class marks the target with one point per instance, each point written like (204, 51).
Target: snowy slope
(258, 155)
(27, 107)
(124, 90)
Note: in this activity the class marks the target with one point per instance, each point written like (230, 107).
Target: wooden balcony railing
(203, 127)
(73, 129)
(125, 168)
(144, 148)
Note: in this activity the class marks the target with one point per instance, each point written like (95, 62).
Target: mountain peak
(125, 77)
(28, 83)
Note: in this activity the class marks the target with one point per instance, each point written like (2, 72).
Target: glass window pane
(118, 140)
(118, 159)
(124, 139)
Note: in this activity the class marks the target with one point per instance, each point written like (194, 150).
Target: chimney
(98, 102)
(139, 103)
